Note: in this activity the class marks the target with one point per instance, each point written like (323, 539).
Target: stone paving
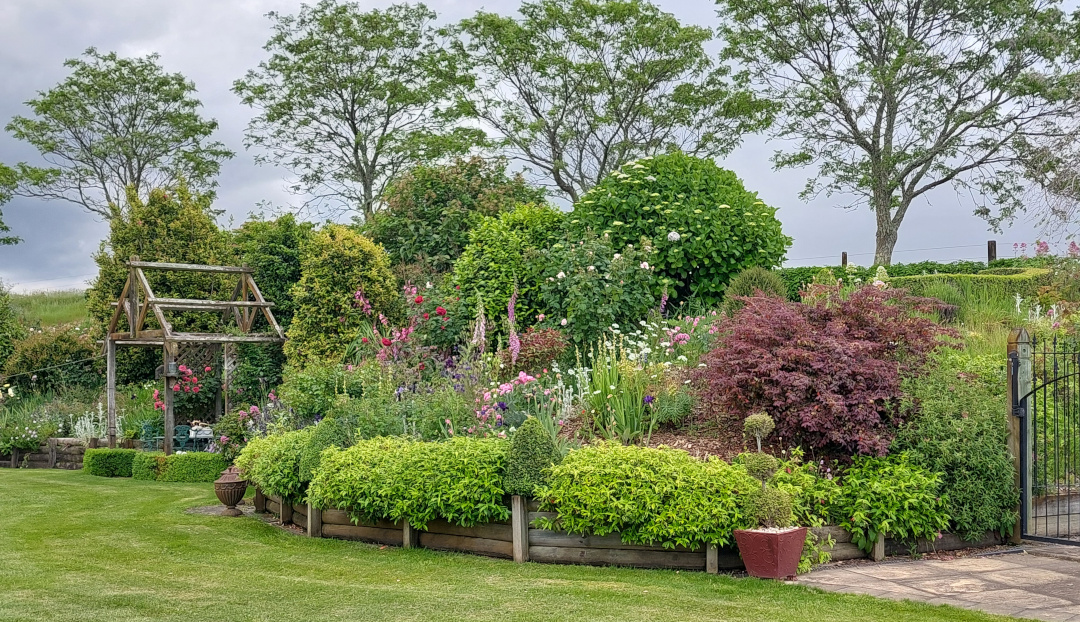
(1040, 582)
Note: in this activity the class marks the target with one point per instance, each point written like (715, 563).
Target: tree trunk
(887, 228)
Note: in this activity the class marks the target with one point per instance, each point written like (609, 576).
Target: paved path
(1042, 582)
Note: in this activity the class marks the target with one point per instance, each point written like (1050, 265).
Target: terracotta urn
(230, 489)
(771, 554)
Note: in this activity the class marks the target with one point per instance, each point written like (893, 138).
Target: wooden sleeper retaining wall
(56, 453)
(516, 539)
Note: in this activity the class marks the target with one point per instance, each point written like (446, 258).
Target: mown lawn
(77, 547)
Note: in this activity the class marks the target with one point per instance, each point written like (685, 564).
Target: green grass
(77, 547)
(50, 307)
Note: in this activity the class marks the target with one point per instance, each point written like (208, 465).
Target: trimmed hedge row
(1026, 283)
(460, 480)
(106, 462)
(191, 467)
(914, 276)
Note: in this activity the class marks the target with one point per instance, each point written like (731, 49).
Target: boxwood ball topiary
(531, 451)
(753, 281)
(705, 226)
(327, 433)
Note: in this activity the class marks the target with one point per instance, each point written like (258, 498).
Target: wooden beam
(169, 350)
(133, 300)
(266, 310)
(222, 338)
(207, 305)
(110, 389)
(119, 307)
(186, 267)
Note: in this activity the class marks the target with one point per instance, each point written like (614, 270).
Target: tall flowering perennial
(1074, 249)
(515, 341)
(500, 401)
(479, 336)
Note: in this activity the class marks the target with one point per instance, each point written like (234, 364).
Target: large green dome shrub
(703, 224)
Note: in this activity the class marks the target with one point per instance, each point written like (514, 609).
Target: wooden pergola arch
(137, 301)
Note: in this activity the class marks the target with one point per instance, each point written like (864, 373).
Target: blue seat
(181, 437)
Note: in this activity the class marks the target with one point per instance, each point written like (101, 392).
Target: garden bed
(57, 453)
(559, 547)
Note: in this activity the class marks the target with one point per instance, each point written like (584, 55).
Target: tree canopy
(8, 182)
(576, 88)
(113, 123)
(348, 100)
(894, 98)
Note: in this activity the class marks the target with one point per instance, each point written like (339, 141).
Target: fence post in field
(314, 522)
(991, 251)
(519, 523)
(843, 259)
(410, 536)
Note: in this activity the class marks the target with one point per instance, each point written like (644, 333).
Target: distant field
(50, 307)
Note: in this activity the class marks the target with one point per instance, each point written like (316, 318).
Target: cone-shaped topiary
(531, 451)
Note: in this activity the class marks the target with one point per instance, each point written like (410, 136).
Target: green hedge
(147, 465)
(109, 462)
(995, 286)
(460, 480)
(648, 496)
(797, 278)
(273, 463)
(186, 467)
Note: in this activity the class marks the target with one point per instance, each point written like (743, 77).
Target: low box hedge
(106, 462)
(1026, 283)
(185, 467)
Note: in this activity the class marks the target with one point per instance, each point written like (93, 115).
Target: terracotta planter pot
(230, 489)
(771, 554)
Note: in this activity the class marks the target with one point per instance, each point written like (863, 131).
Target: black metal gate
(1045, 381)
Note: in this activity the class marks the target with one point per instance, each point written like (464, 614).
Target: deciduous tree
(576, 88)
(894, 98)
(112, 123)
(350, 99)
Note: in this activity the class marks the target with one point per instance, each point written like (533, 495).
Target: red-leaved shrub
(827, 370)
(538, 349)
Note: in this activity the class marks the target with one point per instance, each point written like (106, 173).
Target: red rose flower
(421, 367)
(440, 311)
(363, 340)
(386, 342)
(426, 316)
(418, 299)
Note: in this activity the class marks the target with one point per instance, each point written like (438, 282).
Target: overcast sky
(214, 42)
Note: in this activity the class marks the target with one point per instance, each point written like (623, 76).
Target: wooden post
(228, 357)
(110, 387)
(14, 458)
(170, 418)
(52, 453)
(712, 559)
(286, 511)
(410, 537)
(878, 552)
(314, 522)
(133, 299)
(519, 523)
(991, 251)
(1019, 353)
(260, 502)
(843, 259)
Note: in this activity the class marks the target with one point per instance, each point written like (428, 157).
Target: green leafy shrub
(539, 349)
(955, 427)
(273, 463)
(704, 225)
(531, 452)
(147, 465)
(504, 251)
(327, 433)
(193, 466)
(812, 488)
(460, 480)
(313, 390)
(431, 209)
(891, 496)
(170, 225)
(336, 263)
(592, 285)
(55, 358)
(674, 405)
(10, 329)
(272, 248)
(770, 508)
(109, 462)
(751, 281)
(648, 496)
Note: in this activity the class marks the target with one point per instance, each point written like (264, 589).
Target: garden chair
(181, 437)
(148, 437)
